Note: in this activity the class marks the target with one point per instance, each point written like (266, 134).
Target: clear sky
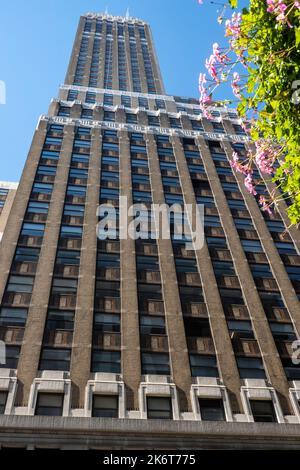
(36, 38)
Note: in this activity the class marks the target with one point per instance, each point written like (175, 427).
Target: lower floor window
(263, 411)
(3, 399)
(49, 404)
(212, 409)
(105, 406)
(159, 408)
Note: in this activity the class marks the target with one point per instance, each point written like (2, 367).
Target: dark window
(3, 399)
(49, 404)
(203, 366)
(55, 359)
(263, 411)
(159, 408)
(211, 410)
(106, 361)
(12, 354)
(105, 406)
(157, 364)
(251, 368)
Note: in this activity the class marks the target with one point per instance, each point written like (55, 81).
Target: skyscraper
(167, 341)
(7, 195)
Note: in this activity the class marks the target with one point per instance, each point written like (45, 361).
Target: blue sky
(36, 39)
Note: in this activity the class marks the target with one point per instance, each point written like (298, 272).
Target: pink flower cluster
(236, 86)
(265, 205)
(246, 171)
(216, 58)
(281, 10)
(265, 157)
(205, 99)
(233, 26)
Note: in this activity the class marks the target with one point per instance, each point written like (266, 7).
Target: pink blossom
(202, 81)
(221, 58)
(297, 5)
(265, 157)
(265, 205)
(233, 26)
(236, 165)
(211, 67)
(235, 85)
(249, 183)
(272, 6)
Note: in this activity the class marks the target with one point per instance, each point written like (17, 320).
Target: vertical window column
(227, 365)
(131, 361)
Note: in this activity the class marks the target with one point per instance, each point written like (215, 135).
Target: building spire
(127, 14)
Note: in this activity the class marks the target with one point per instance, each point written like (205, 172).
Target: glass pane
(157, 404)
(106, 402)
(263, 411)
(3, 397)
(212, 410)
(51, 400)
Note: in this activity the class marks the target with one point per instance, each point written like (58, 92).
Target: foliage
(262, 60)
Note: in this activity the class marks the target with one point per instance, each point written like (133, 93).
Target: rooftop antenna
(127, 14)
(106, 11)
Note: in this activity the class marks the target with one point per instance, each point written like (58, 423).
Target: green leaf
(233, 3)
(297, 34)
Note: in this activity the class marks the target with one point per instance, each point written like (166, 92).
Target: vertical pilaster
(131, 357)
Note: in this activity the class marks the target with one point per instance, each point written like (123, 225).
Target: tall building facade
(7, 195)
(141, 343)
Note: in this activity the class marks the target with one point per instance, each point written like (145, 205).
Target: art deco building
(143, 344)
(7, 195)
